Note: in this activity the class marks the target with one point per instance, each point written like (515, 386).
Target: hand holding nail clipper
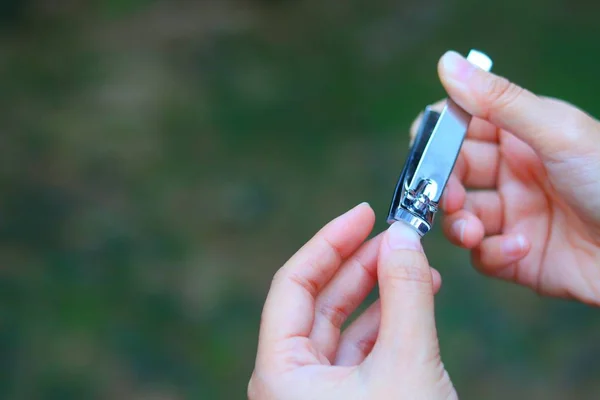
(524, 195)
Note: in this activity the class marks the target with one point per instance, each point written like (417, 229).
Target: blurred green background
(160, 160)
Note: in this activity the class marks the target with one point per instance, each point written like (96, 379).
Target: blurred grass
(160, 160)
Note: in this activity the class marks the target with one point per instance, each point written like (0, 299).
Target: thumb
(407, 328)
(550, 127)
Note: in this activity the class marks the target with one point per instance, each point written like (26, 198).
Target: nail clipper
(431, 160)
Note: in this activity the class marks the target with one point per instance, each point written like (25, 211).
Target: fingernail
(402, 237)
(514, 246)
(364, 203)
(456, 66)
(458, 229)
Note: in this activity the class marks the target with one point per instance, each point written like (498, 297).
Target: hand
(532, 164)
(389, 352)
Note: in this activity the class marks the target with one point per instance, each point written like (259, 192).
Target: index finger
(553, 129)
(290, 306)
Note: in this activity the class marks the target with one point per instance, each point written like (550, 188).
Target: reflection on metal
(431, 160)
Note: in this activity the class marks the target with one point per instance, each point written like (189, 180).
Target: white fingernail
(458, 229)
(514, 246)
(402, 237)
(457, 67)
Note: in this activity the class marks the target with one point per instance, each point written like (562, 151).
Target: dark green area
(160, 160)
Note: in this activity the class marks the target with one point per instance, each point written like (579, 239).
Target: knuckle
(307, 283)
(576, 125)
(413, 268)
(365, 345)
(336, 315)
(579, 126)
(501, 93)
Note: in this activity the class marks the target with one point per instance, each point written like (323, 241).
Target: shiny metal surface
(431, 161)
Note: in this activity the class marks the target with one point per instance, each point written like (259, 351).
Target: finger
(406, 292)
(342, 295)
(483, 131)
(497, 255)
(358, 339)
(477, 164)
(454, 196)
(553, 129)
(486, 205)
(482, 216)
(463, 229)
(289, 308)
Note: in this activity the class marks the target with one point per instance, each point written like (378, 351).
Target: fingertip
(365, 208)
(454, 71)
(368, 210)
(361, 218)
(464, 229)
(446, 61)
(400, 236)
(474, 232)
(496, 253)
(515, 247)
(454, 196)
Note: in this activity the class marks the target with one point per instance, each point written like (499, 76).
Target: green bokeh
(160, 160)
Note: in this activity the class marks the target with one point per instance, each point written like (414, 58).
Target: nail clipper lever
(431, 160)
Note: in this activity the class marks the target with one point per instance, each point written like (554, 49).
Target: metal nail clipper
(431, 160)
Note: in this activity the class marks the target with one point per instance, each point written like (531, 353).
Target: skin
(524, 198)
(525, 193)
(389, 352)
